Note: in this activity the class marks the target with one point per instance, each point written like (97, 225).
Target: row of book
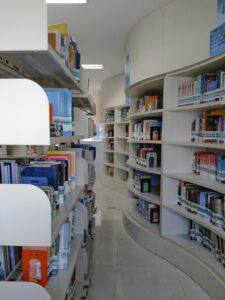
(144, 182)
(209, 128)
(149, 211)
(54, 173)
(109, 171)
(149, 130)
(109, 131)
(148, 103)
(209, 165)
(61, 111)
(124, 114)
(110, 158)
(110, 144)
(208, 240)
(206, 87)
(65, 45)
(203, 202)
(110, 117)
(148, 157)
(9, 258)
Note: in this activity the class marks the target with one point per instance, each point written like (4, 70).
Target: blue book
(43, 176)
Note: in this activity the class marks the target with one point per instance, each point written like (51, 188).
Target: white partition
(24, 113)
(81, 171)
(23, 25)
(22, 291)
(25, 216)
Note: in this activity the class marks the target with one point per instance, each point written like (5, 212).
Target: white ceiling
(101, 28)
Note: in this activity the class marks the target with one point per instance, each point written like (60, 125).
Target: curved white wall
(113, 91)
(172, 37)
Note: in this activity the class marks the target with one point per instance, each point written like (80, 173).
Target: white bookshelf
(173, 242)
(119, 169)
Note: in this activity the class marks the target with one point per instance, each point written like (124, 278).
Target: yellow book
(62, 27)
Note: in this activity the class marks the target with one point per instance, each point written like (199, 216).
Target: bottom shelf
(57, 285)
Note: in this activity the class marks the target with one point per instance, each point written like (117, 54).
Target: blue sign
(220, 12)
(217, 40)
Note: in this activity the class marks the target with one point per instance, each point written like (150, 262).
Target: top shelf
(84, 102)
(141, 88)
(45, 67)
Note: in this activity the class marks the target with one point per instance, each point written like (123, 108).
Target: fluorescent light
(93, 67)
(66, 1)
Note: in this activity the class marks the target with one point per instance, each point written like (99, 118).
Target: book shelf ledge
(154, 113)
(109, 164)
(133, 165)
(109, 151)
(198, 107)
(122, 137)
(65, 139)
(57, 285)
(181, 211)
(65, 210)
(133, 212)
(140, 88)
(122, 123)
(198, 180)
(124, 168)
(194, 144)
(108, 137)
(199, 255)
(135, 141)
(121, 152)
(152, 197)
(47, 68)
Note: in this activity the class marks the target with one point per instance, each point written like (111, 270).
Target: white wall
(174, 36)
(97, 98)
(113, 91)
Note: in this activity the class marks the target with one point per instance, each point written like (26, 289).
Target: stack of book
(148, 130)
(207, 87)
(148, 103)
(61, 121)
(124, 114)
(9, 258)
(209, 165)
(65, 45)
(144, 181)
(209, 128)
(203, 202)
(110, 118)
(149, 211)
(208, 240)
(148, 157)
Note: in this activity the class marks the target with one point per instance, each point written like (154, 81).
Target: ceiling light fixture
(66, 1)
(92, 67)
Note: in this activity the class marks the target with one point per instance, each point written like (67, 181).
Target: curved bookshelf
(198, 107)
(138, 89)
(134, 141)
(152, 197)
(152, 113)
(181, 211)
(194, 144)
(198, 180)
(133, 165)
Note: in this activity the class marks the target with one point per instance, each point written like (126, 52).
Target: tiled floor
(123, 270)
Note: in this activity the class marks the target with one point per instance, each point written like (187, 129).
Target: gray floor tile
(105, 252)
(191, 289)
(145, 284)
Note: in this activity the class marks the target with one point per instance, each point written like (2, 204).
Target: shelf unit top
(143, 87)
(134, 141)
(152, 197)
(84, 102)
(133, 165)
(57, 285)
(65, 210)
(194, 144)
(152, 113)
(205, 66)
(45, 67)
(65, 139)
(198, 180)
(181, 211)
